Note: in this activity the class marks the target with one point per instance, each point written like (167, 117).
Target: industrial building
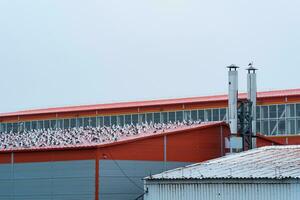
(266, 173)
(108, 171)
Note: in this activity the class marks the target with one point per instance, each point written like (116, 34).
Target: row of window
(279, 126)
(278, 111)
(203, 115)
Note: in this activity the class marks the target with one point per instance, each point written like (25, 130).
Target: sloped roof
(216, 98)
(272, 162)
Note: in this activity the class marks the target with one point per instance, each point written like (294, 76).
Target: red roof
(216, 98)
(121, 140)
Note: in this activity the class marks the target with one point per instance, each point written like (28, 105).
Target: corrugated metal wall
(123, 180)
(225, 191)
(71, 180)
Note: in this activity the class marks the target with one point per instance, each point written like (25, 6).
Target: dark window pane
(187, 115)
(172, 116)
(258, 126)
(53, 124)
(156, 117)
(207, 115)
(79, 122)
(264, 112)
(15, 127)
(100, 121)
(291, 126)
(164, 117)
(265, 127)
(34, 125)
(59, 123)
(298, 110)
(40, 125)
(128, 119)
(107, 121)
(66, 123)
(3, 127)
(290, 109)
(281, 111)
(73, 123)
(86, 121)
(142, 118)
(223, 114)
(120, 120)
(273, 127)
(135, 119)
(113, 120)
(281, 127)
(9, 127)
(93, 121)
(46, 124)
(179, 116)
(194, 115)
(201, 115)
(28, 126)
(298, 126)
(216, 116)
(257, 112)
(273, 111)
(149, 117)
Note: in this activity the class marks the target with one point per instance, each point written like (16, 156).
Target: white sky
(73, 52)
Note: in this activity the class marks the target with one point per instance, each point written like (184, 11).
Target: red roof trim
(121, 141)
(216, 98)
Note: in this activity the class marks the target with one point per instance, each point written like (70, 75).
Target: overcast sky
(73, 52)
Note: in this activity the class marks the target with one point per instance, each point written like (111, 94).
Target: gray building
(260, 174)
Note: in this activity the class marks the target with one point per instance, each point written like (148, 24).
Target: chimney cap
(251, 68)
(233, 66)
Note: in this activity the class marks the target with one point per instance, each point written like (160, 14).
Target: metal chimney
(233, 98)
(252, 95)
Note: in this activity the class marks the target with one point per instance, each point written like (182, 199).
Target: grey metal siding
(122, 180)
(70, 180)
(224, 191)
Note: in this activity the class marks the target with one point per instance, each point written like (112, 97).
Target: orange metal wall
(278, 140)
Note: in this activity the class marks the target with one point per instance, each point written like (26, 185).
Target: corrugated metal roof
(216, 98)
(121, 140)
(273, 162)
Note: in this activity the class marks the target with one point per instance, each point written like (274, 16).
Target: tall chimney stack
(252, 95)
(233, 98)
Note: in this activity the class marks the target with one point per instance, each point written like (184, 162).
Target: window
(179, 116)
(120, 120)
(265, 127)
(46, 124)
(156, 117)
(291, 126)
(93, 122)
(264, 112)
(258, 126)
(40, 125)
(73, 123)
(290, 110)
(187, 115)
(298, 126)
(21, 127)
(281, 127)
(86, 121)
(164, 117)
(34, 125)
(172, 116)
(59, 123)
(223, 114)
(113, 120)
(281, 111)
(257, 112)
(128, 119)
(28, 126)
(298, 110)
(53, 124)
(216, 116)
(135, 119)
(142, 118)
(201, 115)
(66, 123)
(3, 127)
(273, 127)
(207, 115)
(9, 127)
(107, 121)
(15, 127)
(149, 117)
(273, 112)
(100, 121)
(194, 115)
(79, 122)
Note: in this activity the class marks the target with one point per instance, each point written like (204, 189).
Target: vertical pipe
(252, 96)
(233, 98)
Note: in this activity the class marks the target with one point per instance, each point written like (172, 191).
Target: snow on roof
(272, 162)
